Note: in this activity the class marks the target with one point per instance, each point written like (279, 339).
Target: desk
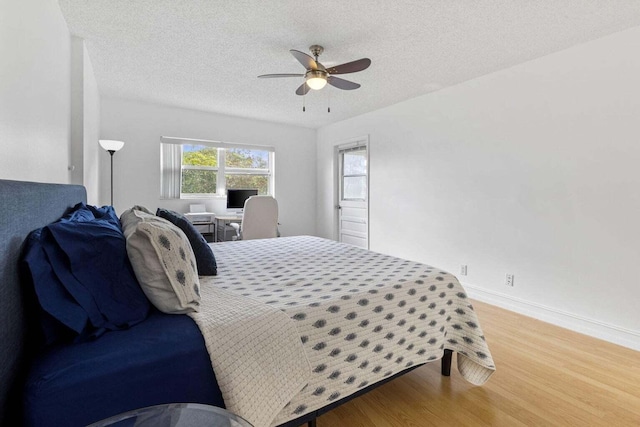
(203, 221)
(220, 223)
(205, 228)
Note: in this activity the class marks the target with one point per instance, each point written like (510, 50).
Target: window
(200, 169)
(354, 174)
(245, 168)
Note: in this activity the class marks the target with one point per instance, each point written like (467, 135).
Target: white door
(353, 194)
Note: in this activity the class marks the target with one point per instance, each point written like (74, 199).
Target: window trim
(212, 143)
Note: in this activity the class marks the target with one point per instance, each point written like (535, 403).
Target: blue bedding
(81, 274)
(160, 360)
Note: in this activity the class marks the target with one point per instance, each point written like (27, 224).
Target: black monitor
(237, 197)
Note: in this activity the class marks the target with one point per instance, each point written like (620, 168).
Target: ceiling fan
(317, 75)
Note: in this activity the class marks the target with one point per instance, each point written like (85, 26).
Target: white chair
(259, 220)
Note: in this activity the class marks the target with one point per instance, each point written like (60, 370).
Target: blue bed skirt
(161, 360)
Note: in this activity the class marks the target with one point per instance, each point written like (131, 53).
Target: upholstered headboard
(24, 206)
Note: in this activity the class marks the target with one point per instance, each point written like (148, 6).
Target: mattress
(160, 360)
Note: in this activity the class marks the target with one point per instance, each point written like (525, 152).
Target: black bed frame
(311, 417)
(25, 206)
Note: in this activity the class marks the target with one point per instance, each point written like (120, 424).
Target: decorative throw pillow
(164, 263)
(205, 259)
(131, 217)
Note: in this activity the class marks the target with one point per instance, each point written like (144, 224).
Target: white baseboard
(595, 328)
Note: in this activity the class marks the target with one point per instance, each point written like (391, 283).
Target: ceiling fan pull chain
(304, 96)
(329, 101)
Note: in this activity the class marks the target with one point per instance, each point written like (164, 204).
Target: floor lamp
(111, 146)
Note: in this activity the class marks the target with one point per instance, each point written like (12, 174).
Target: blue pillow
(205, 259)
(82, 275)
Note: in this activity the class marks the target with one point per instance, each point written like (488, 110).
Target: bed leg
(312, 423)
(446, 362)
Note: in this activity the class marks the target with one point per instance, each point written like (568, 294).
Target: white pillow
(131, 217)
(164, 264)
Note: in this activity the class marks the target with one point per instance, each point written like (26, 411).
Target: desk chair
(259, 220)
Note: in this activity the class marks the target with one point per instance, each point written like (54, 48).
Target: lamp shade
(110, 144)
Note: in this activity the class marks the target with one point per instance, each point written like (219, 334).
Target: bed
(288, 329)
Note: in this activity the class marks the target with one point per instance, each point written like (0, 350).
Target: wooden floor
(546, 376)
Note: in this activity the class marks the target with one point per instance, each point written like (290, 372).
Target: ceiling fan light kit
(316, 79)
(317, 76)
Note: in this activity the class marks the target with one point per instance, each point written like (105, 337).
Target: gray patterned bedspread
(362, 316)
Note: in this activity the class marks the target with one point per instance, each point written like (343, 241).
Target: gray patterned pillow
(164, 264)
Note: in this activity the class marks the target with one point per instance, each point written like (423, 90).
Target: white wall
(137, 166)
(85, 121)
(531, 171)
(90, 129)
(34, 91)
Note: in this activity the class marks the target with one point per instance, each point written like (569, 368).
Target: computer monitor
(237, 197)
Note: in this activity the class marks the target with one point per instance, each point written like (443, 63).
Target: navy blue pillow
(205, 259)
(82, 275)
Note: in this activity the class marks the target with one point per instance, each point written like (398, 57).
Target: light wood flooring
(546, 376)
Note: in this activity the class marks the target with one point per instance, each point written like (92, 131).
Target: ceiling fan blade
(342, 83)
(303, 89)
(350, 67)
(270, 76)
(307, 61)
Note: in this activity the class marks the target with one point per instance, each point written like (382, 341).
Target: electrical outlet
(463, 270)
(509, 281)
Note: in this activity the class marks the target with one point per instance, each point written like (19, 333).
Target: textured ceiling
(207, 54)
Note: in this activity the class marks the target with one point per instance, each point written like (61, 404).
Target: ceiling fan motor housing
(316, 74)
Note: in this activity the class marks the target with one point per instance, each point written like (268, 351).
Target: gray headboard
(24, 206)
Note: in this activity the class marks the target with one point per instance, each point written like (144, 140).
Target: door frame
(346, 144)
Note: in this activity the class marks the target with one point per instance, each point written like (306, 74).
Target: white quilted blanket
(361, 316)
(255, 352)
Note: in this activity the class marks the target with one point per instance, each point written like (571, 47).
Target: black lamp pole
(111, 152)
(111, 146)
